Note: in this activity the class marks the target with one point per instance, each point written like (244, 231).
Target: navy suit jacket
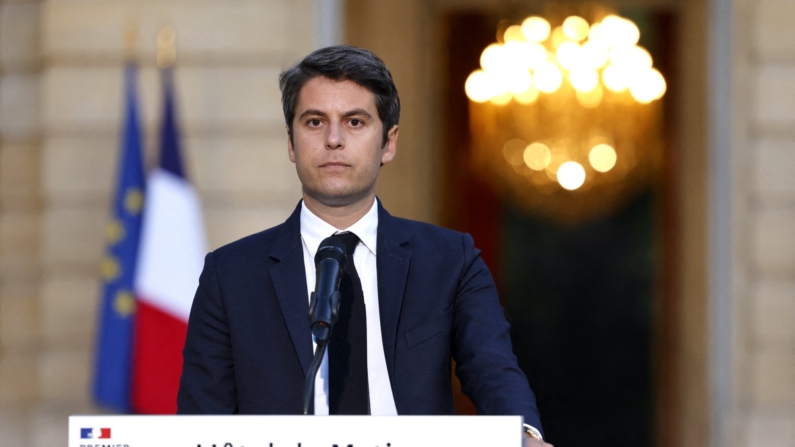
(249, 345)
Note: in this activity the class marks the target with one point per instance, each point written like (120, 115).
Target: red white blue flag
(170, 261)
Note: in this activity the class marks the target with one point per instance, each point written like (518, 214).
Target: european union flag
(117, 308)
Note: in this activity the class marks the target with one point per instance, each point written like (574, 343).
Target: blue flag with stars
(113, 361)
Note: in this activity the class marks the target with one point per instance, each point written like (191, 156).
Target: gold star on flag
(114, 231)
(133, 201)
(110, 268)
(124, 303)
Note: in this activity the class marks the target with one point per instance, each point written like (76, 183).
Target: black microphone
(325, 300)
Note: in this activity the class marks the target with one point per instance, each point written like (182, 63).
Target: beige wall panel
(19, 320)
(19, 170)
(90, 99)
(228, 225)
(768, 429)
(49, 422)
(772, 242)
(97, 28)
(79, 168)
(774, 91)
(19, 238)
(18, 382)
(19, 34)
(64, 375)
(774, 168)
(13, 426)
(227, 99)
(74, 235)
(242, 165)
(68, 310)
(19, 105)
(774, 378)
(774, 33)
(230, 97)
(774, 313)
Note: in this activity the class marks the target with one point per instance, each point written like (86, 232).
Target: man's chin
(337, 198)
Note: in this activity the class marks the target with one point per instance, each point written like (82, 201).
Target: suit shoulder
(253, 244)
(431, 234)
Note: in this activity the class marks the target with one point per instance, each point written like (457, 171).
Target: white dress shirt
(313, 231)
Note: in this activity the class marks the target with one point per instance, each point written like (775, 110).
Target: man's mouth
(333, 164)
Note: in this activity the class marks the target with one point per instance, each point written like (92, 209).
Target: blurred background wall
(725, 371)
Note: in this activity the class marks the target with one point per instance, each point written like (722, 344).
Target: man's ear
(290, 149)
(390, 148)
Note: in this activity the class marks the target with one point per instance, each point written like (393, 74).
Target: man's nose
(335, 138)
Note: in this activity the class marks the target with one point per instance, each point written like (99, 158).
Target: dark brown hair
(339, 63)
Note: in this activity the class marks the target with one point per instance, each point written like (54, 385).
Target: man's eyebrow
(355, 112)
(312, 112)
(348, 114)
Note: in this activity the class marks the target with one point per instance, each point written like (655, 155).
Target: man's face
(336, 142)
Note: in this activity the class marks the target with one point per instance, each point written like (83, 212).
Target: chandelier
(567, 118)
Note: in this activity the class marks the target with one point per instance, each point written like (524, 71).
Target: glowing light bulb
(558, 37)
(502, 99)
(478, 86)
(548, 77)
(602, 157)
(591, 99)
(568, 55)
(619, 31)
(647, 86)
(532, 55)
(584, 79)
(634, 57)
(576, 28)
(630, 34)
(519, 81)
(595, 33)
(494, 58)
(515, 55)
(595, 54)
(571, 175)
(537, 156)
(615, 79)
(535, 29)
(513, 34)
(528, 96)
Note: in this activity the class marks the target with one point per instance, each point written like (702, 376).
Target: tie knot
(351, 241)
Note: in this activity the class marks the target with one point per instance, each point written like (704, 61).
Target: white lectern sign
(295, 431)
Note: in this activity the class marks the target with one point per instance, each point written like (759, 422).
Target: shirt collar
(315, 229)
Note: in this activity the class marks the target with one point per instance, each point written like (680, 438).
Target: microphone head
(332, 247)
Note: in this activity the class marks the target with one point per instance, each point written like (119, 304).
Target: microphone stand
(323, 314)
(309, 382)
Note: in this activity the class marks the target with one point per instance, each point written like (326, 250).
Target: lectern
(295, 431)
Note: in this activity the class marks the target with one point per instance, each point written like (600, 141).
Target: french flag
(170, 260)
(94, 433)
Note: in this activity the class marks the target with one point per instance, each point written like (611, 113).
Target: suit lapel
(392, 264)
(289, 281)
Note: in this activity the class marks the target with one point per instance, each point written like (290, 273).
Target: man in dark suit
(414, 295)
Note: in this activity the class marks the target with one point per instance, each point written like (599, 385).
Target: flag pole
(166, 47)
(131, 44)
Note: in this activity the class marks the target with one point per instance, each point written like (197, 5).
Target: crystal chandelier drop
(567, 118)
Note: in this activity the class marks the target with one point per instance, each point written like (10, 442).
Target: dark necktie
(347, 351)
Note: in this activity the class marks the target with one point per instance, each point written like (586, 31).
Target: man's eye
(314, 122)
(356, 122)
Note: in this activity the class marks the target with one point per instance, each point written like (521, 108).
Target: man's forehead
(336, 95)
